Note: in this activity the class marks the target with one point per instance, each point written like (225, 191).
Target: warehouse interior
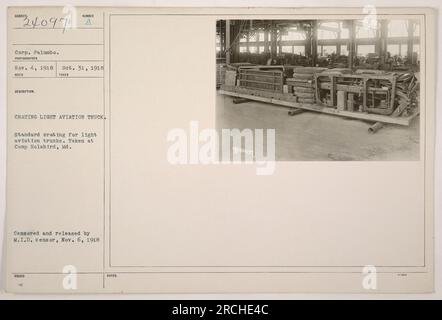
(332, 89)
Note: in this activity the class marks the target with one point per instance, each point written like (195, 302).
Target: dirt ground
(321, 137)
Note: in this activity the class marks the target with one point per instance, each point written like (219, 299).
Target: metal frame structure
(287, 100)
(231, 31)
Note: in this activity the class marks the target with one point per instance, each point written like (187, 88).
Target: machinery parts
(302, 83)
(366, 94)
(375, 127)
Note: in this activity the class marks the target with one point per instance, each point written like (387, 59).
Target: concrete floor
(321, 137)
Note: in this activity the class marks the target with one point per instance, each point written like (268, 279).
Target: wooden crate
(230, 78)
(261, 79)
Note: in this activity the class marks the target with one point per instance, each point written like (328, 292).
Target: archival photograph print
(338, 90)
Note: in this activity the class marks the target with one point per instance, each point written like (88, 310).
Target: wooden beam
(308, 43)
(331, 29)
(383, 41)
(282, 42)
(227, 44)
(352, 45)
(273, 40)
(266, 40)
(280, 99)
(238, 100)
(314, 42)
(235, 45)
(295, 111)
(375, 127)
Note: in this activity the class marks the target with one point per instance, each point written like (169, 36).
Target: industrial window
(326, 34)
(261, 49)
(345, 32)
(242, 49)
(393, 49)
(261, 36)
(299, 50)
(416, 50)
(243, 38)
(287, 49)
(332, 30)
(293, 35)
(416, 31)
(364, 49)
(324, 51)
(253, 37)
(218, 48)
(397, 49)
(328, 30)
(366, 29)
(253, 49)
(404, 49)
(344, 50)
(398, 28)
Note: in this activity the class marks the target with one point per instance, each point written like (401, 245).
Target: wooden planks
(286, 101)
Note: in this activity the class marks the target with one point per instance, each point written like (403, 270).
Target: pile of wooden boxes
(302, 84)
(259, 79)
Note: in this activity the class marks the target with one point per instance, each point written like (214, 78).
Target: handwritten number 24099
(45, 23)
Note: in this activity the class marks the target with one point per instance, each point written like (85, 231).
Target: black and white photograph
(333, 90)
(223, 153)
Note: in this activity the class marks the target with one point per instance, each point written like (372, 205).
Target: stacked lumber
(230, 78)
(302, 84)
(258, 79)
(407, 94)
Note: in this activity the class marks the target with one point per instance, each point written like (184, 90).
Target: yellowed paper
(101, 197)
